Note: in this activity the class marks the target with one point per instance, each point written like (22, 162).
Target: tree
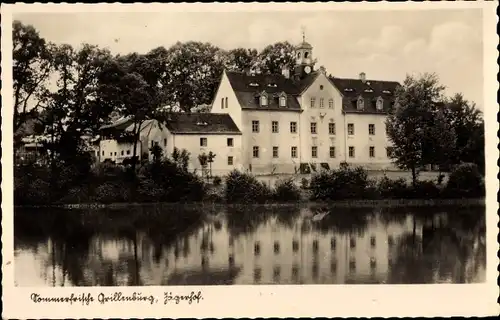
(194, 70)
(203, 160)
(468, 125)
(240, 59)
(210, 160)
(274, 57)
(134, 85)
(408, 123)
(31, 69)
(75, 108)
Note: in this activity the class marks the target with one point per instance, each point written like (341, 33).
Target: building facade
(197, 133)
(303, 120)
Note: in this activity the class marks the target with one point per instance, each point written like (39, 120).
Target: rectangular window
(351, 152)
(230, 142)
(128, 151)
(350, 129)
(103, 153)
(226, 104)
(222, 103)
(152, 144)
(314, 151)
(330, 103)
(313, 127)
(121, 153)
(294, 152)
(293, 127)
(331, 128)
(321, 103)
(275, 152)
(164, 142)
(111, 154)
(230, 161)
(313, 102)
(371, 129)
(203, 142)
(115, 154)
(352, 243)
(373, 241)
(255, 126)
(332, 152)
(372, 152)
(255, 152)
(275, 126)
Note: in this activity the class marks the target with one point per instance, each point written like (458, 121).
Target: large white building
(303, 119)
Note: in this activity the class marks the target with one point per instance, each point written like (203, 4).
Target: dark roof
(191, 123)
(369, 90)
(248, 88)
(304, 45)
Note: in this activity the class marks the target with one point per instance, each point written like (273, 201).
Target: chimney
(286, 72)
(362, 76)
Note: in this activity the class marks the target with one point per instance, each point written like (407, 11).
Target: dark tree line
(426, 127)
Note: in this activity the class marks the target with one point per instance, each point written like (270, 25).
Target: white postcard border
(265, 301)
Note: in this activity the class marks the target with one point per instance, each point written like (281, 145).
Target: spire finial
(303, 34)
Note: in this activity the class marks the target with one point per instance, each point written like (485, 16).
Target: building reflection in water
(296, 251)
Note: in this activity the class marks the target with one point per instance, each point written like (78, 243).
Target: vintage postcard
(249, 160)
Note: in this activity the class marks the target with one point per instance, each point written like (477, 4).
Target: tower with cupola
(304, 63)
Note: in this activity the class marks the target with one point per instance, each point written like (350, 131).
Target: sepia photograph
(248, 147)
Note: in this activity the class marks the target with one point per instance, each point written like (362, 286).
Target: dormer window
(380, 104)
(368, 90)
(263, 100)
(348, 90)
(253, 84)
(361, 103)
(282, 101)
(272, 85)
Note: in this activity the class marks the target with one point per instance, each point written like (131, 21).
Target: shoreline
(391, 203)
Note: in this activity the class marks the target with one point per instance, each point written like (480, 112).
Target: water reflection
(154, 245)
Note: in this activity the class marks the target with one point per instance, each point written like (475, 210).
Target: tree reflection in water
(162, 245)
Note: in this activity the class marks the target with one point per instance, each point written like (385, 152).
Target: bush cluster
(158, 181)
(465, 181)
(245, 188)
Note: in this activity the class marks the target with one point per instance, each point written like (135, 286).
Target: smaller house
(197, 133)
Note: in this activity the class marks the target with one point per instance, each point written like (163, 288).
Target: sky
(386, 45)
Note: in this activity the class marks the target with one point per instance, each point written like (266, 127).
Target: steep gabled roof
(206, 123)
(247, 89)
(369, 90)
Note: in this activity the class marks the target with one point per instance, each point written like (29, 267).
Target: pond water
(168, 245)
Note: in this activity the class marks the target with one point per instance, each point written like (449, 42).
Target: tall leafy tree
(408, 124)
(75, 107)
(274, 57)
(468, 124)
(194, 70)
(240, 59)
(31, 70)
(134, 85)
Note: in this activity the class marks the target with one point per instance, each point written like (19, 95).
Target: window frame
(349, 127)
(293, 125)
(273, 123)
(203, 139)
(294, 152)
(352, 152)
(314, 152)
(255, 126)
(315, 126)
(255, 152)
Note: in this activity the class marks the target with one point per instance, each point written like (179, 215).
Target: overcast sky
(386, 45)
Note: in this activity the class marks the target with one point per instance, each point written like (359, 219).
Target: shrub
(217, 180)
(108, 192)
(393, 189)
(286, 190)
(304, 183)
(148, 191)
(425, 190)
(245, 188)
(344, 183)
(465, 181)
